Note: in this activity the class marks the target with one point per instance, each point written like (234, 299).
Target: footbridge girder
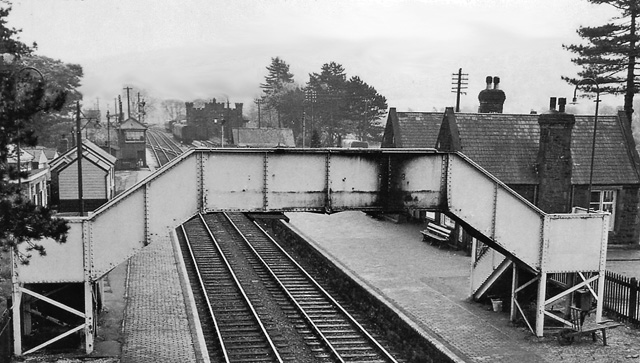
(318, 180)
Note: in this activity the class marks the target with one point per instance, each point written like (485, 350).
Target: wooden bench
(579, 327)
(436, 234)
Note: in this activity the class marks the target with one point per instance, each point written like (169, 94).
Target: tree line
(328, 108)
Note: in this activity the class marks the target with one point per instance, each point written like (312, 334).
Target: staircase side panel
(576, 242)
(496, 211)
(118, 233)
(518, 228)
(471, 196)
(173, 198)
(62, 263)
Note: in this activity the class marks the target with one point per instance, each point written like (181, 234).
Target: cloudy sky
(406, 49)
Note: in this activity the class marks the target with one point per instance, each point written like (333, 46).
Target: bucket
(497, 305)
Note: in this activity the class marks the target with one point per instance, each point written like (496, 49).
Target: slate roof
(132, 124)
(506, 145)
(415, 129)
(91, 151)
(272, 137)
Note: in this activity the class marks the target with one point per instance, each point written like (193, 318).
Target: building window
(604, 201)
(134, 136)
(447, 222)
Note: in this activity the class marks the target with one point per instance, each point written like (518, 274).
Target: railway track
(290, 309)
(164, 148)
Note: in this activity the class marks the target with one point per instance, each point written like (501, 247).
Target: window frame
(598, 206)
(139, 133)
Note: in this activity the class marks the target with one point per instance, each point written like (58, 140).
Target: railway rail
(163, 147)
(274, 297)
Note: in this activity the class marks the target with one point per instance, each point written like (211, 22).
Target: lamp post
(595, 129)
(222, 122)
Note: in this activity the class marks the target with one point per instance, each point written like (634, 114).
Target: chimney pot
(496, 82)
(552, 103)
(561, 104)
(489, 79)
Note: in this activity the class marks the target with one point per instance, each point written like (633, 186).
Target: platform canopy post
(88, 317)
(15, 309)
(540, 305)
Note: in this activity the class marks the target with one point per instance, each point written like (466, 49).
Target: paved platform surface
(430, 286)
(156, 325)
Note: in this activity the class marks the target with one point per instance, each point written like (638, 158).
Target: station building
(545, 158)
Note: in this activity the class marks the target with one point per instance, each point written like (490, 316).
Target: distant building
(41, 156)
(34, 186)
(207, 120)
(98, 178)
(263, 138)
(545, 158)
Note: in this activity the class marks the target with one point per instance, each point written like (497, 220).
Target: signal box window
(134, 136)
(604, 201)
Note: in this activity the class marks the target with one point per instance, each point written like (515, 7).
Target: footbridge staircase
(520, 236)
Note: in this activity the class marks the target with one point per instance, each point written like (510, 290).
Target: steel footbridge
(521, 236)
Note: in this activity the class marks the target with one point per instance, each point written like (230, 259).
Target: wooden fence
(621, 297)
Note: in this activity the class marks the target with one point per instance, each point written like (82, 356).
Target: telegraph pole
(120, 114)
(79, 157)
(459, 81)
(128, 102)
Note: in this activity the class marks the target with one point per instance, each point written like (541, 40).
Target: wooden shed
(98, 178)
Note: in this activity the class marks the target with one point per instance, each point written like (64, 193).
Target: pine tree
(610, 55)
(366, 106)
(344, 107)
(330, 88)
(23, 94)
(278, 81)
(278, 77)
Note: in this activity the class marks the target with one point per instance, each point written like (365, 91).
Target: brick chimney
(554, 158)
(491, 99)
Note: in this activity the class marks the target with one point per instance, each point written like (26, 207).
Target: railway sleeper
(347, 339)
(316, 316)
(339, 332)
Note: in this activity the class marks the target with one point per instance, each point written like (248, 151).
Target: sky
(406, 49)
